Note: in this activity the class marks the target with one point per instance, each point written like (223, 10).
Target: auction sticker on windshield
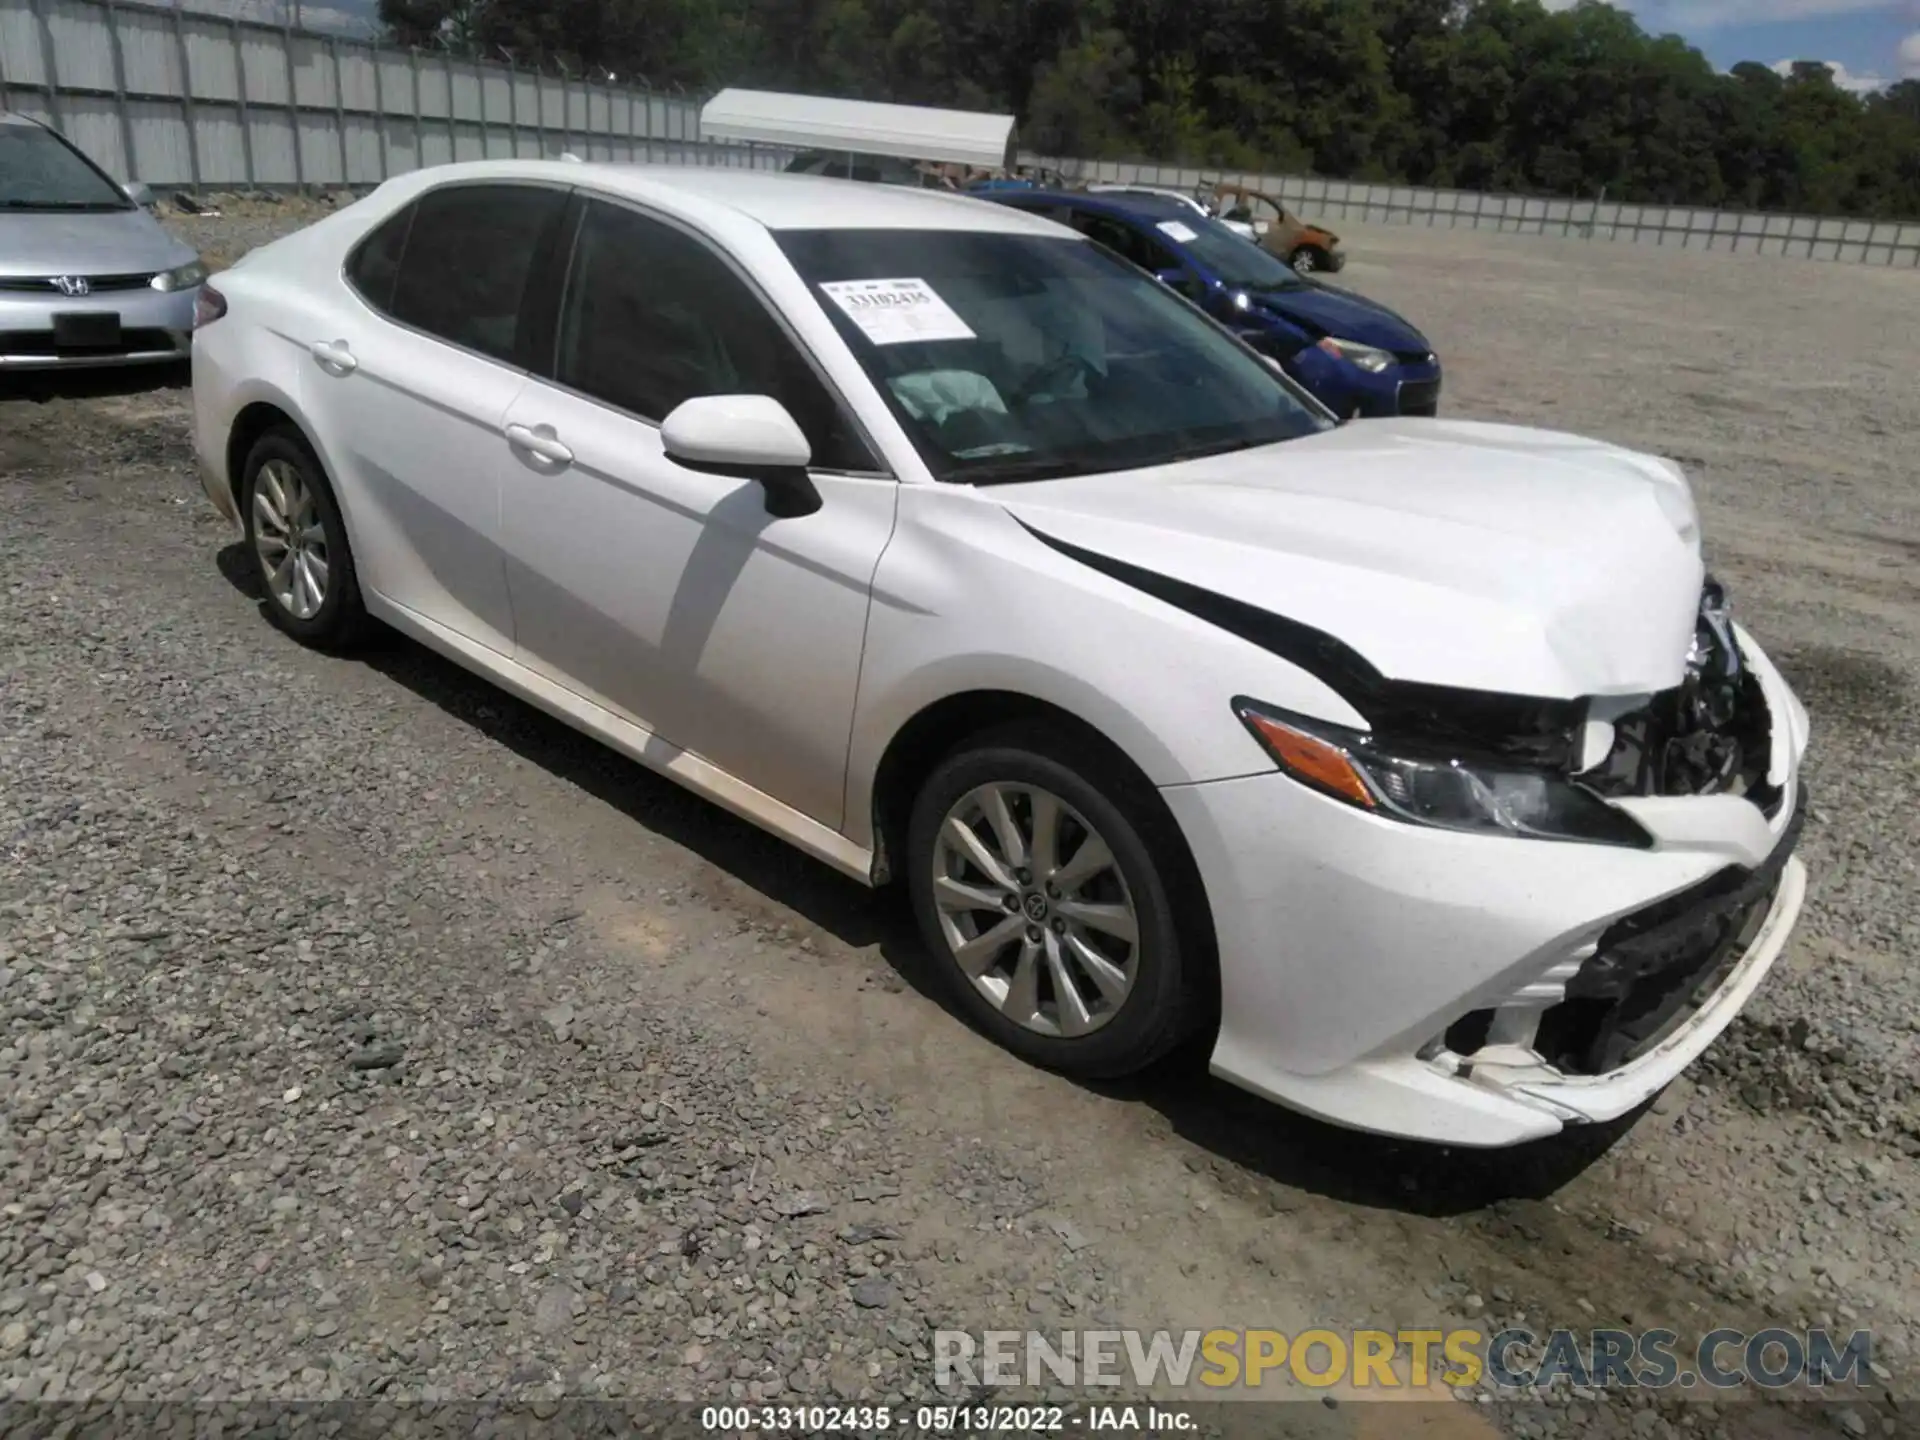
(897, 312)
(1174, 230)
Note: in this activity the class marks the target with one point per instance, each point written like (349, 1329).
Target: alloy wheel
(1034, 909)
(1304, 263)
(290, 539)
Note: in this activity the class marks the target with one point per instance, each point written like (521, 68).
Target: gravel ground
(363, 1032)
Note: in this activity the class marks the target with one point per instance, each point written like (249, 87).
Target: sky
(1868, 42)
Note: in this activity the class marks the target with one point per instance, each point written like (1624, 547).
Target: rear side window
(467, 259)
(1126, 241)
(653, 317)
(375, 266)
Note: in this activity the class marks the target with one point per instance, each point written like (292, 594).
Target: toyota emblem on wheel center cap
(1036, 906)
(72, 285)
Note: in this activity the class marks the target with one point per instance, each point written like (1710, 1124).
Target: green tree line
(1498, 95)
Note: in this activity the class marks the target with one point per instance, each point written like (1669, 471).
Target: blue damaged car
(1357, 357)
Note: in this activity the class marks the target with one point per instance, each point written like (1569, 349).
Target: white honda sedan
(1415, 765)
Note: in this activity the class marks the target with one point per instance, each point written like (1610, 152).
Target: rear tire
(1043, 881)
(298, 543)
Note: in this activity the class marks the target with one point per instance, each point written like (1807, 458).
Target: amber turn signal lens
(1311, 759)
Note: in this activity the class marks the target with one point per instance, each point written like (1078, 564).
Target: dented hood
(1485, 557)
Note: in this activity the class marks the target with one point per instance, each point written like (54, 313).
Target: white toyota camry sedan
(1417, 765)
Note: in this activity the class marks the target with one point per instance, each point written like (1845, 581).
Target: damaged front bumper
(1606, 1029)
(1478, 991)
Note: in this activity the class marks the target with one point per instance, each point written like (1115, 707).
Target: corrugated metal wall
(1864, 242)
(179, 99)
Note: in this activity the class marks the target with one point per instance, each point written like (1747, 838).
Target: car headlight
(1370, 359)
(1447, 793)
(181, 277)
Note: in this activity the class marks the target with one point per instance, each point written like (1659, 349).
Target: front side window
(1023, 357)
(470, 252)
(653, 317)
(41, 171)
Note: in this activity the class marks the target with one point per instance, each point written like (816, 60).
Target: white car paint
(1493, 557)
(769, 664)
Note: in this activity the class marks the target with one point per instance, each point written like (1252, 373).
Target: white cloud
(1844, 78)
(1910, 56)
(1692, 15)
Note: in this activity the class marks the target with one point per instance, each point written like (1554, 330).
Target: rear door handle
(334, 356)
(539, 440)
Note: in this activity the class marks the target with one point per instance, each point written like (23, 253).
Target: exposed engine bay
(1709, 735)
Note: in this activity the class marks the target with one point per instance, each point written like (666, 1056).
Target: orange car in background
(1307, 248)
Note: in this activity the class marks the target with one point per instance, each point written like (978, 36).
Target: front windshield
(1240, 264)
(1023, 357)
(40, 171)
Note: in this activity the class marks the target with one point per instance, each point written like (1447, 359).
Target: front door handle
(539, 440)
(334, 356)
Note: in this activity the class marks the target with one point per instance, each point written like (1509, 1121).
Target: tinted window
(1042, 357)
(40, 171)
(375, 266)
(1126, 241)
(653, 317)
(468, 257)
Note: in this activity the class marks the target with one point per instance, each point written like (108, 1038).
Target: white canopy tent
(816, 122)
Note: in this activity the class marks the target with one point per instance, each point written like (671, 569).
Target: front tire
(1306, 260)
(298, 543)
(1043, 882)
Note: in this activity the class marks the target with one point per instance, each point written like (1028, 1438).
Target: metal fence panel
(216, 140)
(403, 151)
(359, 78)
(263, 67)
(271, 132)
(82, 47)
(394, 83)
(150, 55)
(363, 151)
(211, 59)
(21, 59)
(92, 124)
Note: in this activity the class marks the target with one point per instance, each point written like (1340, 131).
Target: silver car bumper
(155, 326)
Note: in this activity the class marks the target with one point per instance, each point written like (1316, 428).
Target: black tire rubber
(341, 621)
(1310, 254)
(1166, 1003)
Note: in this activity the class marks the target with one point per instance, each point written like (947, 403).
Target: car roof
(772, 200)
(14, 117)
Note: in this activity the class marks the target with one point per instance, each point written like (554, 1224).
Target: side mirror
(747, 437)
(138, 193)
